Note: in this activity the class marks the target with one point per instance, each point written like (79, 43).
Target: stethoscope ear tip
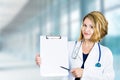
(97, 64)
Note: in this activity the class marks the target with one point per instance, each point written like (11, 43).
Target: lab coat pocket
(97, 71)
(94, 73)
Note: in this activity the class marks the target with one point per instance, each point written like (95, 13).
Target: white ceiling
(9, 9)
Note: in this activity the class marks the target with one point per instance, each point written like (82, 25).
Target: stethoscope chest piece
(97, 64)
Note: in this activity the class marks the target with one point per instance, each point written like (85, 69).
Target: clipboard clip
(53, 37)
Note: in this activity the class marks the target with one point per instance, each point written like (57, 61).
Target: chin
(87, 38)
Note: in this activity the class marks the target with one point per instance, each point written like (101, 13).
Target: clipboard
(54, 54)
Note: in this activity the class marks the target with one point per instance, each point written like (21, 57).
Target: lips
(86, 33)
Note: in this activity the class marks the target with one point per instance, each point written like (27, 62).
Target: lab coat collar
(93, 56)
(80, 51)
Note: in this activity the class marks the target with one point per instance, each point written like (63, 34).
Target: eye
(84, 25)
(91, 27)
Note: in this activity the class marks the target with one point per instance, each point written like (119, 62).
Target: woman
(89, 60)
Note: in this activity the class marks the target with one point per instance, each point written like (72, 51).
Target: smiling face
(87, 29)
(94, 27)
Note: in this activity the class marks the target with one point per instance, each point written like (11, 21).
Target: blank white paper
(53, 53)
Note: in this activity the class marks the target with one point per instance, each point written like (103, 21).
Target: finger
(72, 70)
(37, 55)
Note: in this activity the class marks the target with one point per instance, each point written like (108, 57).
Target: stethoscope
(76, 51)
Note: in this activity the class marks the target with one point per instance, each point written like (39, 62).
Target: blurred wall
(62, 17)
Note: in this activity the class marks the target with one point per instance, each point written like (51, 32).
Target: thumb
(72, 70)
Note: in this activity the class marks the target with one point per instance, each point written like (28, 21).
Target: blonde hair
(100, 26)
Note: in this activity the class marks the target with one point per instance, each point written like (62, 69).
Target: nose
(87, 28)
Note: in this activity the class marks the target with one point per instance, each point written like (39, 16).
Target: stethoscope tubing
(75, 53)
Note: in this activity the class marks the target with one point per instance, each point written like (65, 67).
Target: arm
(76, 71)
(108, 73)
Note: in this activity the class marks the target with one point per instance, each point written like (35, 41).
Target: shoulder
(106, 51)
(105, 48)
(71, 43)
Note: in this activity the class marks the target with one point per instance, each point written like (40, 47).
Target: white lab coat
(91, 72)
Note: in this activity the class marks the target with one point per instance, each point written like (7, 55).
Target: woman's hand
(38, 60)
(77, 72)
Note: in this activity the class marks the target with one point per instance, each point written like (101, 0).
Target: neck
(87, 46)
(87, 43)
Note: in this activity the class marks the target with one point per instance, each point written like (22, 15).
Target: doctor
(89, 60)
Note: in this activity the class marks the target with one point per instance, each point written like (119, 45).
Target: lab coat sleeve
(108, 73)
(70, 49)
